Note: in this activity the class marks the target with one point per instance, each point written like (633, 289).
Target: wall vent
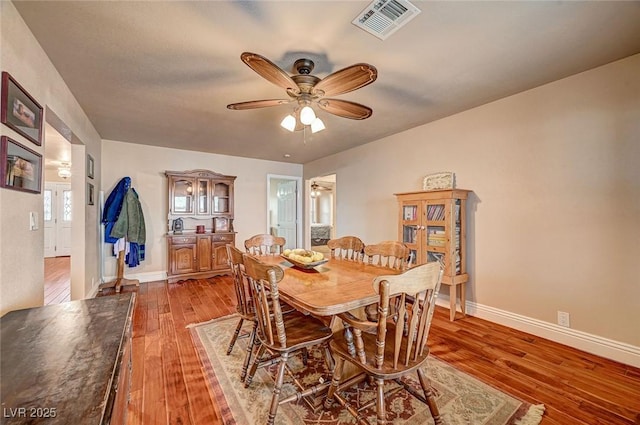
(384, 17)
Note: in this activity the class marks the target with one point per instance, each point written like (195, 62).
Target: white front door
(287, 219)
(57, 219)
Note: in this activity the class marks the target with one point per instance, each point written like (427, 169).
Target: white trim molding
(594, 344)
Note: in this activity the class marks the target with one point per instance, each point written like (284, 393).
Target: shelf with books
(432, 224)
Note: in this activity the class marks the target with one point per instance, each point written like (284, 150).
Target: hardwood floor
(169, 387)
(57, 280)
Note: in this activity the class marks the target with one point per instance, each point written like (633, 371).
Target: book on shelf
(409, 234)
(436, 256)
(435, 212)
(410, 212)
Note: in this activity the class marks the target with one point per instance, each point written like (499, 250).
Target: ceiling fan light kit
(289, 122)
(306, 89)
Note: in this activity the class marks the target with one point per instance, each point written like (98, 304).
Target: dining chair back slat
(347, 248)
(265, 244)
(390, 254)
(264, 284)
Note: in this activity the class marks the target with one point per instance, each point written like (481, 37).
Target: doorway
(322, 211)
(284, 209)
(57, 217)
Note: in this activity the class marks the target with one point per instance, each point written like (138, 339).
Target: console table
(68, 363)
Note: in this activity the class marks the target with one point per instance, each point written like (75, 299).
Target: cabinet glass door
(182, 196)
(410, 223)
(436, 227)
(221, 192)
(203, 197)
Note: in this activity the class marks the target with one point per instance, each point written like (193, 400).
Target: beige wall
(146, 166)
(22, 250)
(554, 220)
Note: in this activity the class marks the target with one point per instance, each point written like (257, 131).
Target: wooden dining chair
(264, 244)
(390, 254)
(281, 335)
(346, 248)
(245, 306)
(396, 344)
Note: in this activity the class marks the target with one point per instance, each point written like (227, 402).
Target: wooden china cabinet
(202, 201)
(433, 225)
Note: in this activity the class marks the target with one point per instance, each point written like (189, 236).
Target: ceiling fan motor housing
(303, 66)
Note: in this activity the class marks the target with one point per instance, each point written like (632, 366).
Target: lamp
(289, 122)
(64, 170)
(317, 125)
(306, 117)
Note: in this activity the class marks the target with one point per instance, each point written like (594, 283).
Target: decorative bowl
(304, 265)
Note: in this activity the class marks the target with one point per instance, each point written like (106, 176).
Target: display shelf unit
(200, 198)
(433, 225)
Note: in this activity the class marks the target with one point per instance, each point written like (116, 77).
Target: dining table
(329, 289)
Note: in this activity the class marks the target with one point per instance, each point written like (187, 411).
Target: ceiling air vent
(384, 17)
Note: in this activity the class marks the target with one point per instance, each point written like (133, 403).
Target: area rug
(462, 399)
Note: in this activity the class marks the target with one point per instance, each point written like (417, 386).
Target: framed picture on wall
(220, 224)
(90, 166)
(90, 194)
(20, 167)
(20, 111)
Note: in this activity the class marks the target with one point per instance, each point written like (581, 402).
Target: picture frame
(220, 224)
(90, 194)
(90, 166)
(439, 181)
(20, 167)
(19, 111)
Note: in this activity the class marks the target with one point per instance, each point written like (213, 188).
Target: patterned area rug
(462, 399)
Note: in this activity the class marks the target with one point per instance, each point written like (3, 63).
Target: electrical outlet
(563, 319)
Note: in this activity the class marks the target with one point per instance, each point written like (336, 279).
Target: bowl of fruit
(304, 258)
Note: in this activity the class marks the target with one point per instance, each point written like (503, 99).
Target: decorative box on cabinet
(68, 363)
(199, 198)
(433, 225)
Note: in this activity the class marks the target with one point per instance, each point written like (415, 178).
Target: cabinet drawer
(183, 239)
(222, 238)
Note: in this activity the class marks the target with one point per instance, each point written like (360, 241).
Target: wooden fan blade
(253, 104)
(346, 80)
(270, 71)
(345, 109)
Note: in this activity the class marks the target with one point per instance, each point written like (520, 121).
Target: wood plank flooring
(57, 280)
(169, 387)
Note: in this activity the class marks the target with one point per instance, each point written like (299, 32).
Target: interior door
(286, 224)
(63, 231)
(49, 216)
(57, 219)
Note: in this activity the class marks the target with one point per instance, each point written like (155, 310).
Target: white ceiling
(57, 149)
(162, 73)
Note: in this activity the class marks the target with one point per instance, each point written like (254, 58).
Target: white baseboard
(142, 277)
(614, 350)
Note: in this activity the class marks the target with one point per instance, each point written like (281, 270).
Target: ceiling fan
(306, 89)
(316, 189)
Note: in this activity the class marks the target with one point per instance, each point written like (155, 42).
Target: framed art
(90, 194)
(20, 111)
(220, 224)
(90, 166)
(439, 181)
(20, 167)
